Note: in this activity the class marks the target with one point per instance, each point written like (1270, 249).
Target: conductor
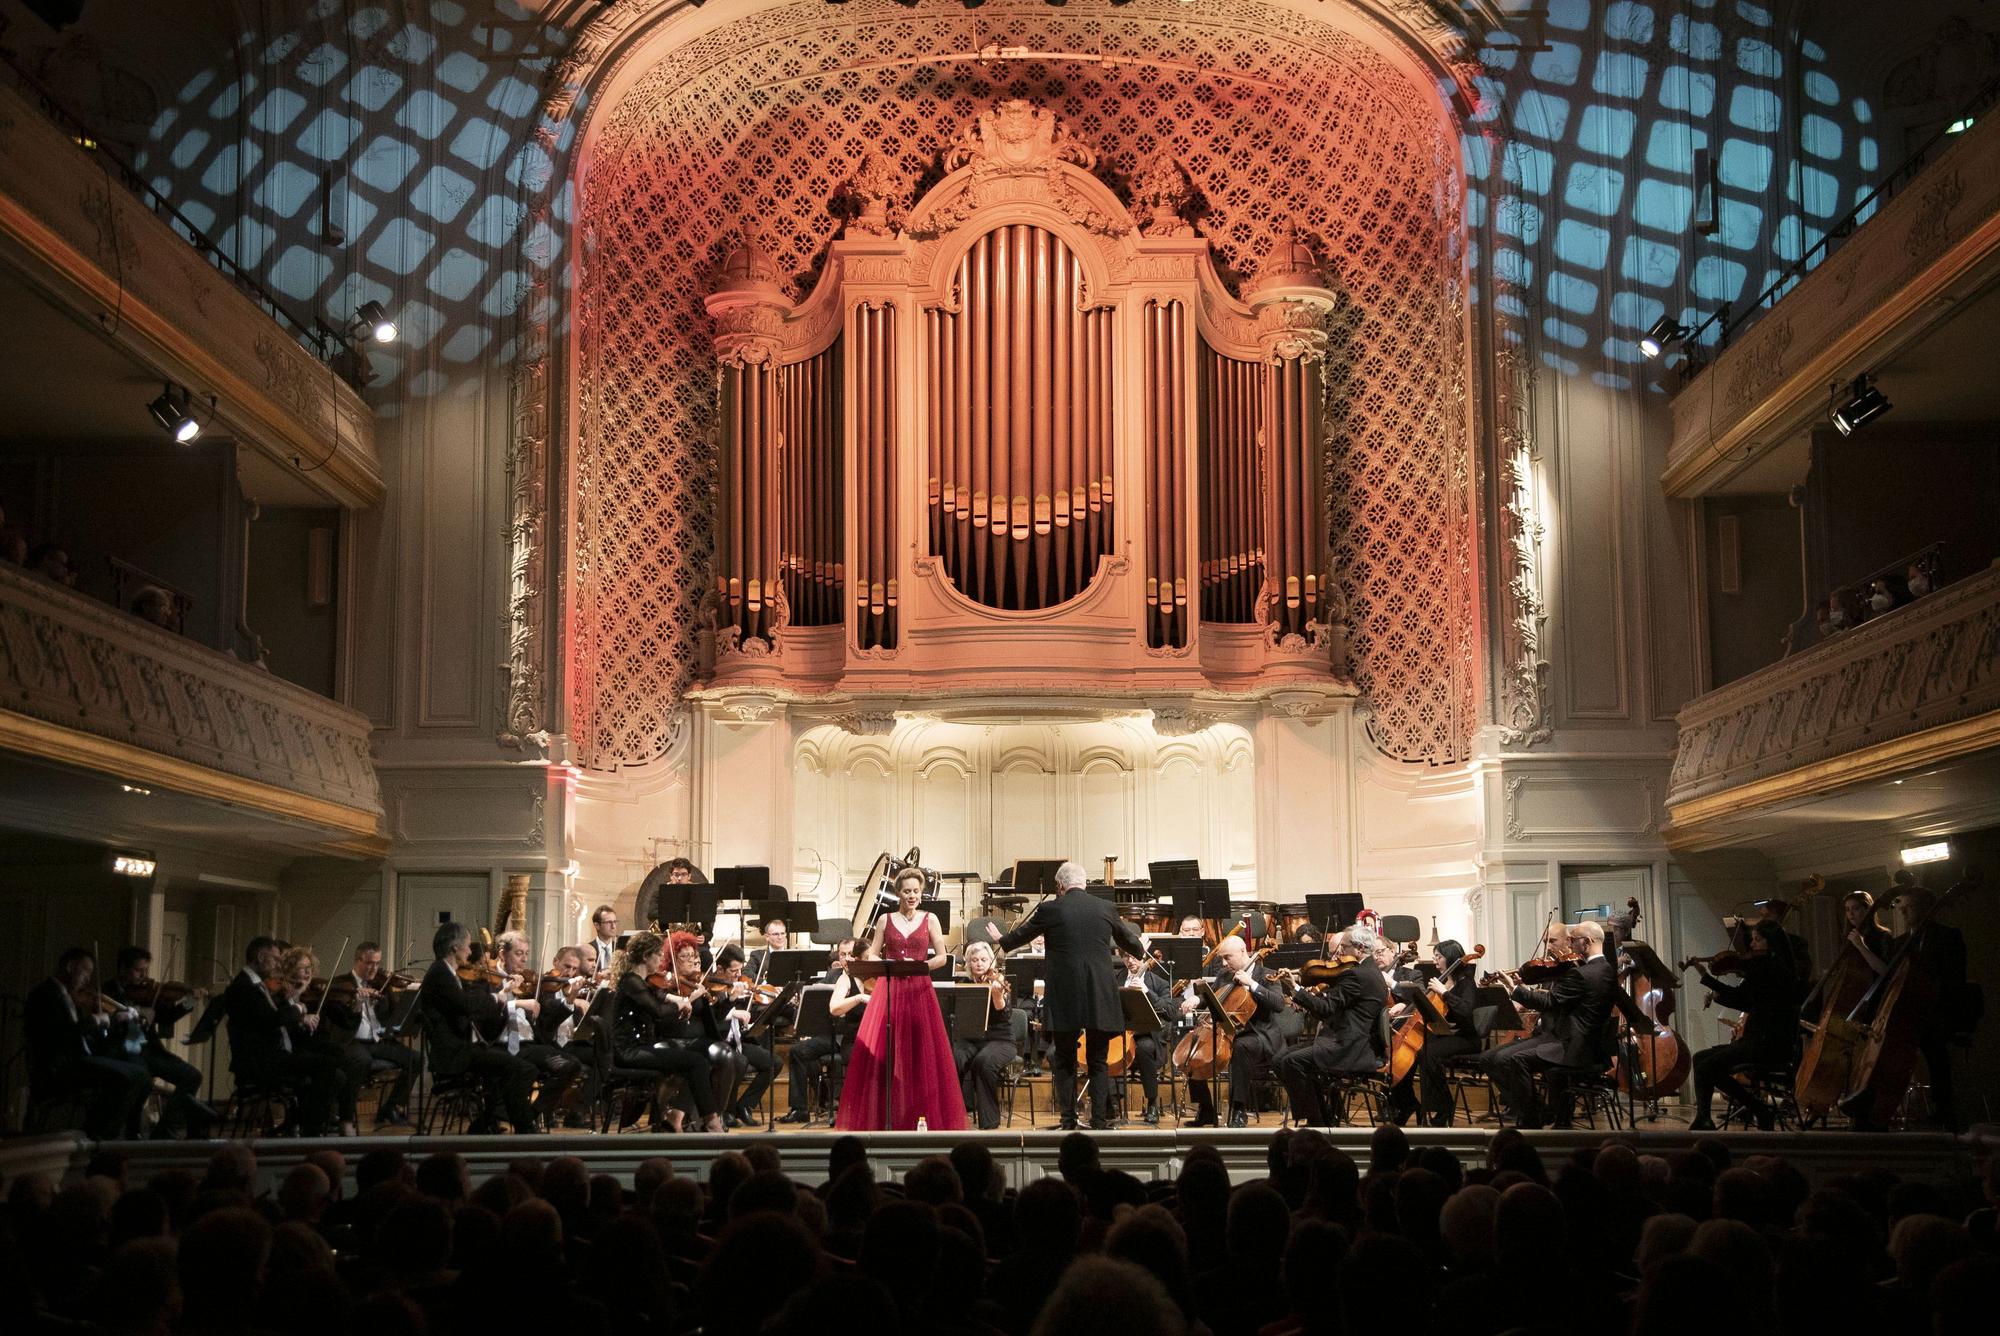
(1081, 994)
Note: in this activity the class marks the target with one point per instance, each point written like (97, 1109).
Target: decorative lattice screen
(1277, 118)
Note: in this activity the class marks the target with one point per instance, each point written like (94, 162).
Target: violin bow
(324, 992)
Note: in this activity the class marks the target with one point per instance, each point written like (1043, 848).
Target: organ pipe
(1020, 512)
(1231, 491)
(746, 576)
(1166, 425)
(812, 478)
(875, 593)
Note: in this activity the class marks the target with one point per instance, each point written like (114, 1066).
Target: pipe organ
(1022, 436)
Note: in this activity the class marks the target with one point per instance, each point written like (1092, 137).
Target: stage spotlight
(1664, 334)
(1864, 404)
(375, 322)
(170, 410)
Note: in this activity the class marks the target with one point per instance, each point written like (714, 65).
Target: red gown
(925, 1076)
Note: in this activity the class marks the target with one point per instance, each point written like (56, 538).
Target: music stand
(1169, 873)
(967, 1009)
(764, 1022)
(1334, 912)
(942, 908)
(1291, 957)
(1204, 992)
(686, 903)
(1036, 876)
(1493, 1010)
(1182, 956)
(802, 964)
(881, 970)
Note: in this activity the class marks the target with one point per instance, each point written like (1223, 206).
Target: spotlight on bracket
(372, 320)
(1666, 332)
(174, 414)
(1864, 404)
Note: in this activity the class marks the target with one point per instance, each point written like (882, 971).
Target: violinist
(1140, 973)
(63, 1019)
(269, 1033)
(982, 1058)
(1769, 1027)
(1458, 996)
(454, 1013)
(1256, 1044)
(651, 1025)
(1572, 1034)
(353, 1015)
(811, 1053)
(755, 1055)
(556, 1071)
(1349, 1042)
(1796, 952)
(567, 993)
(156, 1016)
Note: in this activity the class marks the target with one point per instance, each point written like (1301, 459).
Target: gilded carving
(1161, 197)
(1930, 230)
(289, 375)
(882, 193)
(1761, 365)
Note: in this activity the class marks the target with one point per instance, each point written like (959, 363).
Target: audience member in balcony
(1917, 580)
(51, 561)
(1881, 598)
(156, 605)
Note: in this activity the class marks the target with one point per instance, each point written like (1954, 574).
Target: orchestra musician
(1192, 926)
(1572, 1034)
(810, 1054)
(777, 937)
(130, 980)
(1458, 996)
(603, 944)
(566, 997)
(701, 1027)
(64, 1022)
(650, 1026)
(1148, 1050)
(680, 872)
(1080, 998)
(1257, 1044)
(455, 1013)
(1797, 951)
(1941, 953)
(1349, 1042)
(352, 1020)
(269, 1033)
(1770, 1027)
(514, 1028)
(982, 1058)
(754, 1055)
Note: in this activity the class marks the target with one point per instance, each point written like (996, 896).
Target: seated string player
(1770, 1027)
(353, 1015)
(158, 1008)
(1257, 1044)
(568, 994)
(65, 1025)
(755, 1056)
(454, 1012)
(1349, 1042)
(815, 1053)
(1148, 1050)
(270, 1034)
(556, 1071)
(982, 1058)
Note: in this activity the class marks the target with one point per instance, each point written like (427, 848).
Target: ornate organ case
(1021, 437)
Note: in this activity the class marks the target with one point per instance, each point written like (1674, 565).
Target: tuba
(876, 895)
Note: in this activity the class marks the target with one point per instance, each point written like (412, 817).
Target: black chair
(442, 1103)
(249, 1112)
(617, 1086)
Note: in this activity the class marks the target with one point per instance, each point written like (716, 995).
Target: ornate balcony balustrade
(1913, 687)
(85, 685)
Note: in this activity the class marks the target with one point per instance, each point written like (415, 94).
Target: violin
(1314, 974)
(158, 993)
(1722, 962)
(482, 974)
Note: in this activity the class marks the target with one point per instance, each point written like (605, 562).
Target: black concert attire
(63, 1060)
(182, 1109)
(649, 1031)
(1770, 1030)
(355, 1030)
(811, 1053)
(1349, 1042)
(454, 1015)
(751, 1054)
(512, 1031)
(1080, 995)
(1575, 1036)
(269, 1046)
(1254, 1050)
(1459, 999)
(1150, 1050)
(597, 954)
(1941, 954)
(555, 1028)
(981, 1059)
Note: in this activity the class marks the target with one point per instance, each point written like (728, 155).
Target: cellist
(1458, 996)
(1349, 1042)
(1256, 1044)
(1770, 1026)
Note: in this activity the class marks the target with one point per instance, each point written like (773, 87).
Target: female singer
(924, 1075)
(647, 1013)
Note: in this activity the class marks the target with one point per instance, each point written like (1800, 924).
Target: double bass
(1894, 1012)
(1832, 1040)
(1655, 1064)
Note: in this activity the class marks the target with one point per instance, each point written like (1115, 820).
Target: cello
(1431, 1016)
(1894, 1012)
(1205, 1049)
(1655, 1065)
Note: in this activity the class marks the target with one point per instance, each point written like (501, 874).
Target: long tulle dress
(925, 1077)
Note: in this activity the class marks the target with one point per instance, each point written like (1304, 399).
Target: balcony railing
(1913, 687)
(86, 685)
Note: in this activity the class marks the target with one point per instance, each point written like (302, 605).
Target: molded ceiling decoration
(746, 131)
